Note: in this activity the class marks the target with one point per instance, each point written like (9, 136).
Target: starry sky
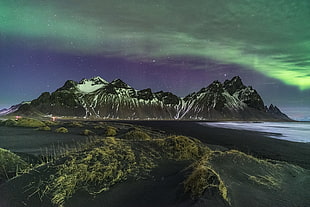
(171, 45)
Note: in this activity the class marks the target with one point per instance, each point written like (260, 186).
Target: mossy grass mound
(137, 135)
(87, 132)
(182, 147)
(44, 128)
(23, 122)
(10, 164)
(76, 124)
(9, 123)
(61, 130)
(204, 178)
(111, 131)
(96, 168)
(103, 162)
(50, 123)
(29, 122)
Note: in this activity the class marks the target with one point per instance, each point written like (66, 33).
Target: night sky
(171, 45)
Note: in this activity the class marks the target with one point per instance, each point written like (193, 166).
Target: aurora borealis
(174, 45)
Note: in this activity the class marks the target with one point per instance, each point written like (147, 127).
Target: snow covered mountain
(97, 98)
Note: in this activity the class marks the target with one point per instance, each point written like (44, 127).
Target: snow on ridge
(88, 87)
(99, 79)
(91, 85)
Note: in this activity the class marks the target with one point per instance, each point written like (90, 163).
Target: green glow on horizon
(267, 36)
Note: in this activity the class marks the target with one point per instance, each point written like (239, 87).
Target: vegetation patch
(61, 130)
(28, 122)
(204, 178)
(76, 124)
(137, 135)
(181, 147)
(9, 123)
(95, 169)
(44, 128)
(88, 132)
(111, 131)
(50, 123)
(10, 164)
(266, 181)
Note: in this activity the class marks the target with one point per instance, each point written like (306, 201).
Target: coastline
(250, 142)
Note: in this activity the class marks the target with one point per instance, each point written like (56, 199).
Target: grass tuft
(181, 147)
(137, 135)
(87, 132)
(28, 122)
(111, 131)
(61, 130)
(95, 169)
(204, 178)
(44, 128)
(10, 164)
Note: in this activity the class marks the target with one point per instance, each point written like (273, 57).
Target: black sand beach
(249, 181)
(253, 143)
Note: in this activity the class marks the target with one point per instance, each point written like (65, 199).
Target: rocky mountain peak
(233, 85)
(118, 83)
(98, 80)
(69, 85)
(145, 94)
(167, 97)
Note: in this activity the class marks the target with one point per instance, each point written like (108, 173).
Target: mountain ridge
(98, 98)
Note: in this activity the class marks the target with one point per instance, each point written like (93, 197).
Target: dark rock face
(69, 84)
(59, 102)
(96, 97)
(145, 94)
(167, 98)
(233, 85)
(275, 111)
(119, 84)
(251, 98)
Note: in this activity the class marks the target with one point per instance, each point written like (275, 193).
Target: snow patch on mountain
(91, 85)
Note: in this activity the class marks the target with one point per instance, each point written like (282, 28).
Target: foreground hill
(97, 98)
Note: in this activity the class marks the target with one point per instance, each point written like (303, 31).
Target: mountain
(12, 109)
(97, 98)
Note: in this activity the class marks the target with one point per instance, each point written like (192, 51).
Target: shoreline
(249, 142)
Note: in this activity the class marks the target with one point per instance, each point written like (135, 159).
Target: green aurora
(271, 37)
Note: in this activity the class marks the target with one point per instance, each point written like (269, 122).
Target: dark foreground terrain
(253, 143)
(154, 164)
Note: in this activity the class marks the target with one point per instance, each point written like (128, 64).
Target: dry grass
(137, 135)
(181, 147)
(88, 132)
(95, 169)
(111, 131)
(10, 164)
(204, 178)
(27, 122)
(44, 128)
(61, 130)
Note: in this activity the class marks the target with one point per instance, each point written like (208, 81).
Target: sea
(290, 131)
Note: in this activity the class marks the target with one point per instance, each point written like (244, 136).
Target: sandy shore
(253, 143)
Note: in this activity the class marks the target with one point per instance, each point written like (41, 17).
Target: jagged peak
(98, 79)
(119, 83)
(95, 80)
(147, 90)
(233, 85)
(214, 86)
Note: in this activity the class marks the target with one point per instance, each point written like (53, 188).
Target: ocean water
(291, 131)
